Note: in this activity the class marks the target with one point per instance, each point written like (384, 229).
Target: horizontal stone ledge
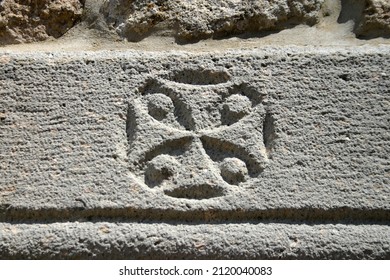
(166, 241)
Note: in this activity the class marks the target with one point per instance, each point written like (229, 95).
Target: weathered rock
(376, 19)
(23, 21)
(199, 19)
(371, 17)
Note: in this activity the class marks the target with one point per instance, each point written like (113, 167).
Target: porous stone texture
(376, 19)
(200, 19)
(102, 240)
(265, 153)
(24, 21)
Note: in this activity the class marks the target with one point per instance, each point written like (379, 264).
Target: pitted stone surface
(102, 240)
(81, 128)
(200, 19)
(376, 19)
(30, 21)
(298, 136)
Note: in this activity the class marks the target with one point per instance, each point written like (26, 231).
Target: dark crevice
(346, 77)
(368, 21)
(342, 215)
(131, 123)
(351, 10)
(269, 135)
(196, 192)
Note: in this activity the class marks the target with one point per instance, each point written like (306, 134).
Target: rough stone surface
(267, 153)
(200, 19)
(102, 240)
(371, 17)
(376, 19)
(24, 21)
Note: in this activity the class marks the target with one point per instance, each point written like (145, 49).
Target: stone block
(264, 153)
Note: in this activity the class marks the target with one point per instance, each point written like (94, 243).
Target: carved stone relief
(197, 135)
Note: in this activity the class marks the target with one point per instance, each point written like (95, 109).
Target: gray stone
(200, 19)
(266, 153)
(102, 240)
